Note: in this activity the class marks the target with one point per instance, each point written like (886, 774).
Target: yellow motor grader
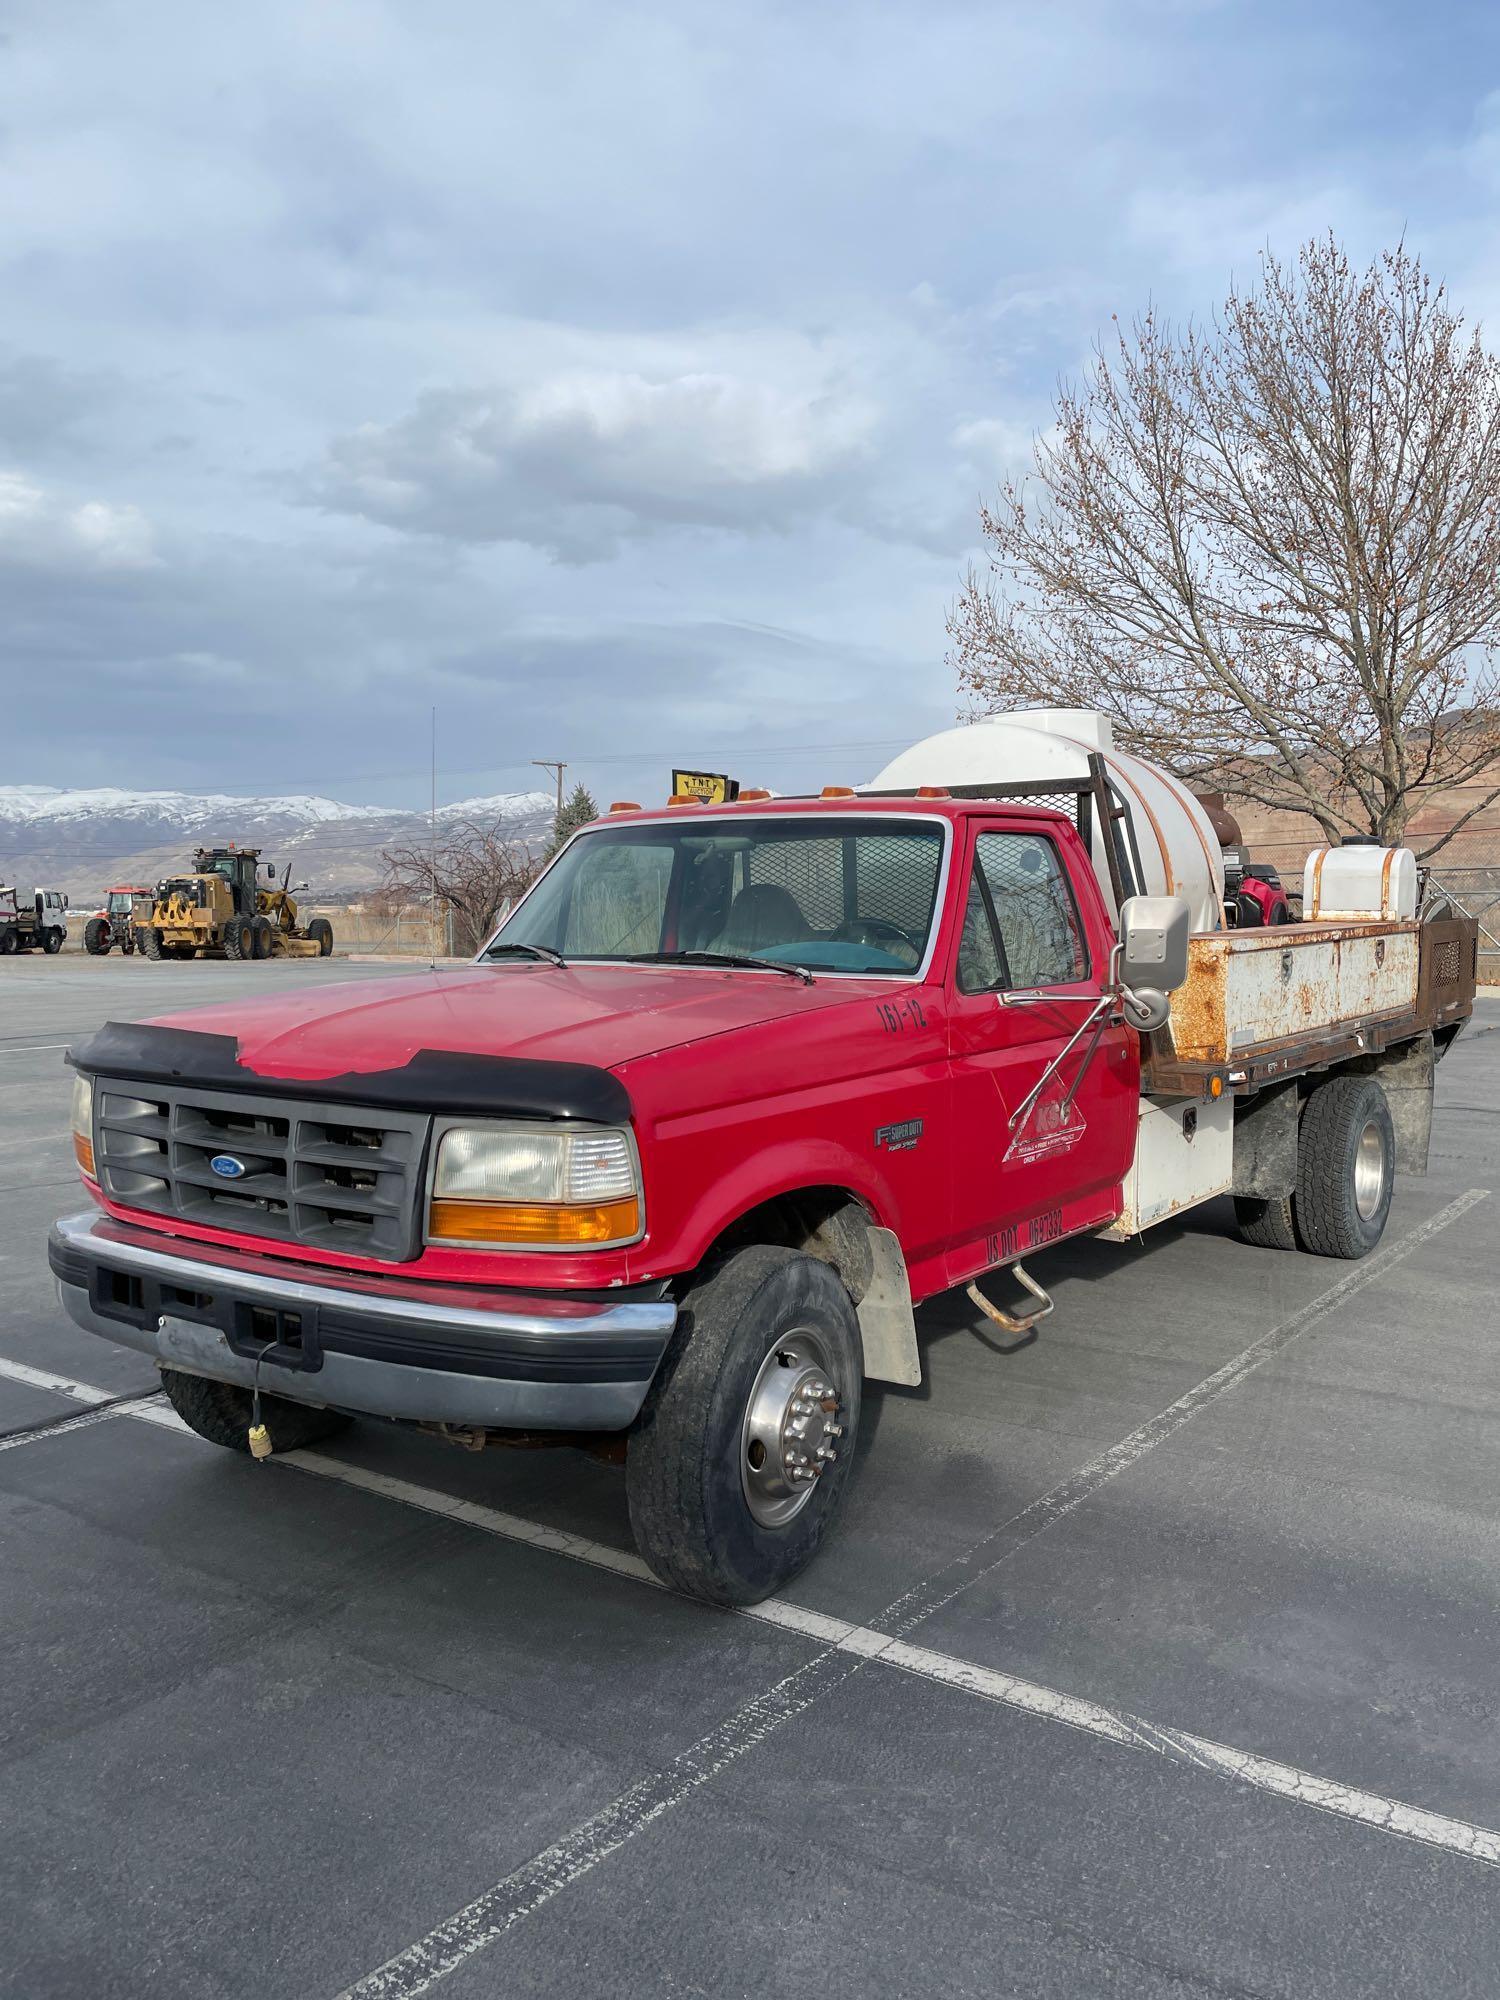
(229, 908)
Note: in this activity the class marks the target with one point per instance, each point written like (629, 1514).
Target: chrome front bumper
(382, 1345)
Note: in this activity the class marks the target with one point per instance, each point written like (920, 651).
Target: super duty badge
(899, 1138)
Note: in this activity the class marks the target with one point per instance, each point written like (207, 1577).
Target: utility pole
(553, 764)
(432, 827)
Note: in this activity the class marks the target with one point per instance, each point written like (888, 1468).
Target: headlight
(83, 1124)
(502, 1186)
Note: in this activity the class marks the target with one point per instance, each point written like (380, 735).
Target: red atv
(1254, 896)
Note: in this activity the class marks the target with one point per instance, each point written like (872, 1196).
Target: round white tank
(1344, 882)
(1178, 850)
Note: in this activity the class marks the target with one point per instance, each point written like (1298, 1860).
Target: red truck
(731, 1089)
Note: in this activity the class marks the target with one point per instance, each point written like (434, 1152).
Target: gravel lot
(1161, 1657)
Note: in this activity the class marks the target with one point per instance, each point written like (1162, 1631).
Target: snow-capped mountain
(30, 804)
(84, 840)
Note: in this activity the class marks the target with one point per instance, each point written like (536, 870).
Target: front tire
(744, 1451)
(53, 941)
(322, 931)
(220, 1412)
(263, 939)
(238, 942)
(1345, 1167)
(151, 943)
(97, 937)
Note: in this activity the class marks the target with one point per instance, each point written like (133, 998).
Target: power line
(586, 757)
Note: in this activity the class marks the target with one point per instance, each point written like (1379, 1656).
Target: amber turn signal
(552, 1224)
(83, 1153)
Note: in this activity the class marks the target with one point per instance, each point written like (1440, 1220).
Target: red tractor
(118, 921)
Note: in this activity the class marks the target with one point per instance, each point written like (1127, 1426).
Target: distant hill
(83, 841)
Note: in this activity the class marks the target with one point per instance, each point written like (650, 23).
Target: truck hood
(604, 1015)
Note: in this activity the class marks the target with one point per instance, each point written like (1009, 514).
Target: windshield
(852, 895)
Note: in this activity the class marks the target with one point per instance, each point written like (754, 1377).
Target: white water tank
(1344, 883)
(1179, 853)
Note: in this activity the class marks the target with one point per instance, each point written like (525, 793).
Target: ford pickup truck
(730, 1090)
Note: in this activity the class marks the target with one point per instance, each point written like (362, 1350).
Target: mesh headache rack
(1089, 802)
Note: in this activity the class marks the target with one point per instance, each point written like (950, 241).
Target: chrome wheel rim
(791, 1433)
(1369, 1170)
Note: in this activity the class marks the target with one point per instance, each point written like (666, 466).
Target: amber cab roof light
(837, 792)
(933, 792)
(624, 806)
(753, 793)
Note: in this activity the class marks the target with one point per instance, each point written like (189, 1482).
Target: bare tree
(478, 870)
(1268, 548)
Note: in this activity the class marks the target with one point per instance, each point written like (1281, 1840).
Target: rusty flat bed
(1258, 1006)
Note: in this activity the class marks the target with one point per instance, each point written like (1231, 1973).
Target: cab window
(1021, 923)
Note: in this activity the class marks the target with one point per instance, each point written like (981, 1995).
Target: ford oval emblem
(227, 1167)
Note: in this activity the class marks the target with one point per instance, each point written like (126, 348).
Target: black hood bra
(445, 1081)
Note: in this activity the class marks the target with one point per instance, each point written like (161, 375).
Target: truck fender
(776, 1173)
(887, 1326)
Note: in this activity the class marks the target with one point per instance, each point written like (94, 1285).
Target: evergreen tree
(577, 811)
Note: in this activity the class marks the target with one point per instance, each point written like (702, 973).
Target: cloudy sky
(621, 379)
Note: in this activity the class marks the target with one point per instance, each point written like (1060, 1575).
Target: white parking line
(848, 1647)
(34, 1049)
(39, 1433)
(57, 1385)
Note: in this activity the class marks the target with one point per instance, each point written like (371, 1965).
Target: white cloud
(1001, 446)
(38, 528)
(579, 462)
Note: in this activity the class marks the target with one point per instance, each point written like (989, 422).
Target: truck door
(1024, 1175)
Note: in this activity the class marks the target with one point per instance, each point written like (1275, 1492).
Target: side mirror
(1151, 960)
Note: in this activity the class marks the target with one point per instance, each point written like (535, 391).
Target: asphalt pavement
(1160, 1657)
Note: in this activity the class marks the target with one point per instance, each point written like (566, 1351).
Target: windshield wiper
(536, 950)
(744, 958)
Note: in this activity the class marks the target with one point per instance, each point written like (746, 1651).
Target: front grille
(328, 1176)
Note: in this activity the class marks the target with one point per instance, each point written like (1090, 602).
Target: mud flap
(887, 1328)
(1265, 1143)
(1406, 1075)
